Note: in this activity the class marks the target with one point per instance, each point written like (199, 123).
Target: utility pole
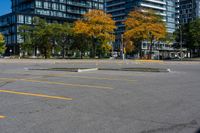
(112, 52)
(122, 46)
(181, 42)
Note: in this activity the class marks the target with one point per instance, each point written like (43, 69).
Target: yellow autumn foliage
(129, 46)
(2, 44)
(143, 24)
(106, 47)
(96, 24)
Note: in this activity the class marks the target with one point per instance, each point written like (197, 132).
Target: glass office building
(120, 9)
(171, 15)
(165, 8)
(188, 10)
(59, 11)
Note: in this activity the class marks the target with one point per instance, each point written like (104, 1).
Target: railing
(79, 4)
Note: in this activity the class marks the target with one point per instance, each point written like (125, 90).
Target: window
(55, 6)
(28, 19)
(20, 19)
(38, 4)
(62, 8)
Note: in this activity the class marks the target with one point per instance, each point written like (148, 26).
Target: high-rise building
(188, 10)
(165, 8)
(171, 15)
(121, 8)
(59, 11)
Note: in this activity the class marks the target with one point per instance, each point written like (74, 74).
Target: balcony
(115, 4)
(117, 9)
(153, 7)
(76, 11)
(86, 5)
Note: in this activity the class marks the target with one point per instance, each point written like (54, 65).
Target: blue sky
(5, 6)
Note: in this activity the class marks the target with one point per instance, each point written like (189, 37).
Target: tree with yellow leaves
(142, 25)
(98, 26)
(104, 50)
(129, 46)
(2, 44)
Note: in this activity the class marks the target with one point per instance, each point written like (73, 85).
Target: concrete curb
(87, 70)
(66, 69)
(150, 61)
(104, 69)
(137, 69)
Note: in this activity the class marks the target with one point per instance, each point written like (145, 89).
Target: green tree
(186, 39)
(2, 44)
(62, 34)
(189, 33)
(194, 34)
(25, 32)
(42, 37)
(81, 43)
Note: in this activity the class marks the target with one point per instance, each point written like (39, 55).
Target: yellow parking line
(35, 95)
(57, 83)
(1, 117)
(73, 73)
(87, 77)
(124, 75)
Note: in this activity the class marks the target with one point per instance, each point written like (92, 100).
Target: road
(46, 101)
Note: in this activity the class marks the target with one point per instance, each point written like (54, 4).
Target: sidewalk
(150, 61)
(95, 61)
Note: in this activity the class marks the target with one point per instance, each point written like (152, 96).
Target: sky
(5, 6)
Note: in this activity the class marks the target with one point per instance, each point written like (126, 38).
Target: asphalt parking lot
(104, 101)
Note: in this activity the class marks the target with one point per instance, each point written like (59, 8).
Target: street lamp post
(181, 42)
(122, 46)
(112, 52)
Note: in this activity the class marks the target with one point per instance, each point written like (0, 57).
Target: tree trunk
(190, 53)
(140, 50)
(67, 52)
(150, 50)
(63, 52)
(35, 51)
(150, 57)
(45, 53)
(81, 54)
(93, 51)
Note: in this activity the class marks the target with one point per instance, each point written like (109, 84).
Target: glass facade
(59, 11)
(69, 9)
(8, 28)
(188, 10)
(120, 9)
(171, 15)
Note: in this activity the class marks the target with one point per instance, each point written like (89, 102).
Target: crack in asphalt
(2, 84)
(181, 126)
